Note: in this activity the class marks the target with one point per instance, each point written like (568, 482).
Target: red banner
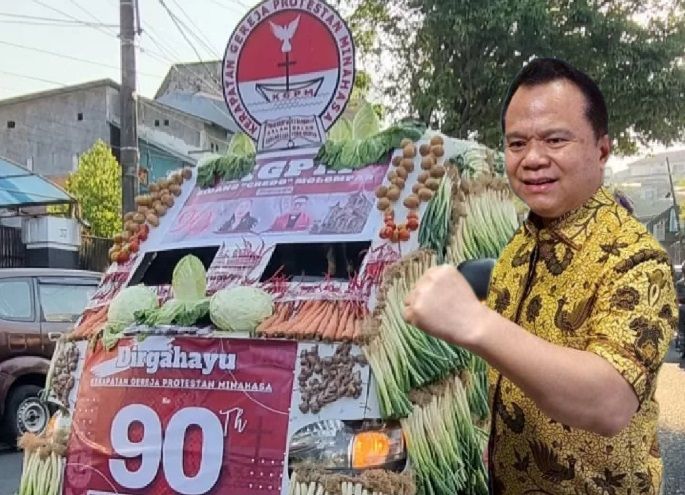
(182, 416)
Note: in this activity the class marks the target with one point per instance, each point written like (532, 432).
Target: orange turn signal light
(369, 449)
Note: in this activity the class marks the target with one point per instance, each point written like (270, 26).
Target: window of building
(166, 122)
(11, 124)
(156, 123)
(79, 116)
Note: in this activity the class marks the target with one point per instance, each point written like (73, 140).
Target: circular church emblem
(288, 72)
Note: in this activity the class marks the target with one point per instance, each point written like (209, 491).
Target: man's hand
(443, 305)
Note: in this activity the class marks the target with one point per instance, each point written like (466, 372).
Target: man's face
(553, 159)
(298, 205)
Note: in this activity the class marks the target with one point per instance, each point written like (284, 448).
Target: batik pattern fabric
(594, 280)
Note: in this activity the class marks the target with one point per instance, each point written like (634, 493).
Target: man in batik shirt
(581, 307)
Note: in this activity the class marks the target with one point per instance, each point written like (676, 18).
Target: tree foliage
(451, 61)
(96, 185)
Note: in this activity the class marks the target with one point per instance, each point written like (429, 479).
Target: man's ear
(604, 146)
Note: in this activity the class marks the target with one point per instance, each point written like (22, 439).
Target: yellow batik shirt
(596, 281)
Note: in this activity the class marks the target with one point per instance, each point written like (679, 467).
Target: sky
(26, 68)
(87, 30)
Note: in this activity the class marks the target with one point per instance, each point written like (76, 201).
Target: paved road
(10, 471)
(670, 393)
(671, 396)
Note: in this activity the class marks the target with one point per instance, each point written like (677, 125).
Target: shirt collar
(574, 227)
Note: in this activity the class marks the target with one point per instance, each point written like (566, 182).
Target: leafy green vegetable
(189, 279)
(240, 308)
(228, 167)
(241, 145)
(192, 313)
(341, 130)
(365, 123)
(358, 153)
(122, 309)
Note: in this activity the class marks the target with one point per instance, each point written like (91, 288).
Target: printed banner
(282, 197)
(182, 416)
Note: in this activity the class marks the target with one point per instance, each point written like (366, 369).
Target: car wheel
(25, 412)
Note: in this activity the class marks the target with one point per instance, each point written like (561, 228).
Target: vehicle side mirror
(477, 273)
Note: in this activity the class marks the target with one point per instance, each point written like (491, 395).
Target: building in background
(648, 184)
(47, 132)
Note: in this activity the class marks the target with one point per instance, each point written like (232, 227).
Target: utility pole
(677, 209)
(127, 104)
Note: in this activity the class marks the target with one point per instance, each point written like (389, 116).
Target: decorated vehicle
(248, 337)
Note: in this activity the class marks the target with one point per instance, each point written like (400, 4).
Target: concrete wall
(200, 77)
(48, 134)
(47, 131)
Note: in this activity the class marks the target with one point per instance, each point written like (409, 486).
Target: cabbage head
(240, 308)
(189, 279)
(121, 311)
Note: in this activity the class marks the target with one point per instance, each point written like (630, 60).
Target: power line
(238, 9)
(207, 42)
(70, 57)
(178, 23)
(32, 77)
(61, 12)
(55, 24)
(54, 19)
(87, 12)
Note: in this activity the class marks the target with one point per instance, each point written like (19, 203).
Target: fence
(93, 253)
(12, 250)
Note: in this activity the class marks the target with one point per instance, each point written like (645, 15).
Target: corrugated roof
(201, 105)
(20, 187)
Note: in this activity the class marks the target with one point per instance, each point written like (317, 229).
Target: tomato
(403, 235)
(412, 223)
(385, 233)
(390, 225)
(123, 257)
(413, 214)
(134, 246)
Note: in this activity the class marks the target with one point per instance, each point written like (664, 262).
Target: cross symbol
(287, 65)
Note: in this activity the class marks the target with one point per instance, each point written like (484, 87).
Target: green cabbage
(240, 308)
(127, 302)
(341, 130)
(189, 279)
(241, 145)
(366, 123)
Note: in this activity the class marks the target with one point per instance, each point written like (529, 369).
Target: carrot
(325, 319)
(358, 326)
(306, 323)
(293, 324)
(315, 326)
(346, 314)
(281, 316)
(330, 326)
(91, 324)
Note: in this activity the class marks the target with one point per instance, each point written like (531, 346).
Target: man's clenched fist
(443, 305)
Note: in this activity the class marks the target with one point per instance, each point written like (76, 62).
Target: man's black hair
(301, 196)
(546, 70)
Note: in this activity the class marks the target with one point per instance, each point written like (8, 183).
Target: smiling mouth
(538, 182)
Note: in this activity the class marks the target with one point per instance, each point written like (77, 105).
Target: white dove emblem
(285, 33)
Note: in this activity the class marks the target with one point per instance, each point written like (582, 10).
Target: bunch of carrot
(91, 323)
(330, 321)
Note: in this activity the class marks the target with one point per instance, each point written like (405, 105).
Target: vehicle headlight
(338, 445)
